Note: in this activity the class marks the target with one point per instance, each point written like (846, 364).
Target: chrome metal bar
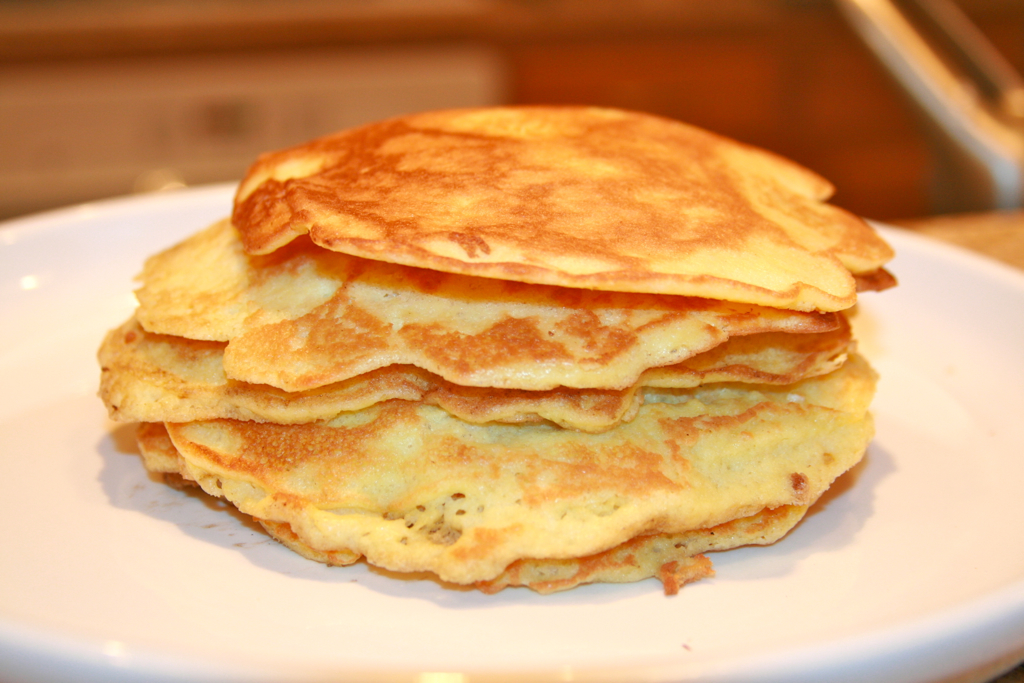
(970, 95)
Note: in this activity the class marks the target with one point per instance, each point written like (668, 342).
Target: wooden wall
(799, 83)
(788, 75)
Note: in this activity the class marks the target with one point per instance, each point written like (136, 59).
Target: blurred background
(101, 98)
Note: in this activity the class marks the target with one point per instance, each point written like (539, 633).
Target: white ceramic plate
(911, 570)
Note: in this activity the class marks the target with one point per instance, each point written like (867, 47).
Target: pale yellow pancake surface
(412, 489)
(304, 317)
(674, 559)
(154, 378)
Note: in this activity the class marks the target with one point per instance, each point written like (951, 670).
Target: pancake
(413, 489)
(304, 317)
(147, 378)
(158, 452)
(674, 559)
(514, 346)
(568, 196)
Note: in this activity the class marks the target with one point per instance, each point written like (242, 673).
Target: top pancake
(570, 196)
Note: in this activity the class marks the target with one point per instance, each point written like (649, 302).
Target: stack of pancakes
(535, 346)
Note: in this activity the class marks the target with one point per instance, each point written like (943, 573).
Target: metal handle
(973, 98)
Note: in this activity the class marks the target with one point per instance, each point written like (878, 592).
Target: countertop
(999, 235)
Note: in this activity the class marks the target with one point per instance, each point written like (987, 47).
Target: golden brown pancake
(514, 346)
(569, 196)
(411, 488)
(158, 451)
(674, 559)
(304, 317)
(148, 378)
